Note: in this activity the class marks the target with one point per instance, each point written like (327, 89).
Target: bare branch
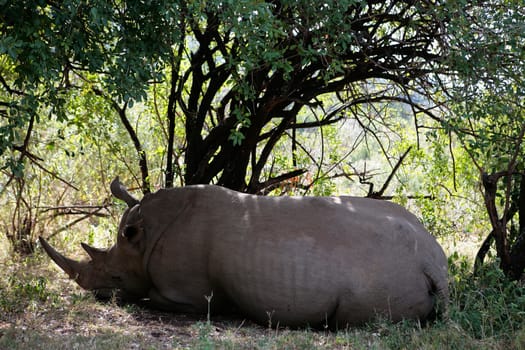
(379, 194)
(272, 183)
(9, 89)
(143, 163)
(74, 222)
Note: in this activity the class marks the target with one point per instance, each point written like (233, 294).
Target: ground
(86, 323)
(40, 308)
(43, 309)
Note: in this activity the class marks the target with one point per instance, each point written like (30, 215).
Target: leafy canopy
(238, 72)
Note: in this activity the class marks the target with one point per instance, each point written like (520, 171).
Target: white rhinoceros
(300, 261)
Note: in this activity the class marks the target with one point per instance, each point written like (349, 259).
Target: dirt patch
(76, 320)
(41, 309)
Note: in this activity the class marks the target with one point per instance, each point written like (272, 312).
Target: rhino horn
(94, 253)
(120, 192)
(71, 267)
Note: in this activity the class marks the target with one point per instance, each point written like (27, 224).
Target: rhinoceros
(294, 261)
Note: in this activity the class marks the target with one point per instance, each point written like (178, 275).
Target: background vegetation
(420, 102)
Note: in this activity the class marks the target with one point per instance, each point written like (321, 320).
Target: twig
(272, 182)
(56, 176)
(9, 89)
(379, 194)
(239, 327)
(66, 207)
(75, 210)
(74, 222)
(36, 161)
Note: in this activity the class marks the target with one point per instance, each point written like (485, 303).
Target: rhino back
(297, 260)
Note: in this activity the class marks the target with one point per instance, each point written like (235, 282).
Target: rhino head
(119, 268)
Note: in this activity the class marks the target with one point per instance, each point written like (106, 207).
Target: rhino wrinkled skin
(300, 261)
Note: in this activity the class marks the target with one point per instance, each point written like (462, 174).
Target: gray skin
(298, 261)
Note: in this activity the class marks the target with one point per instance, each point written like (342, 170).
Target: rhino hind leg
(439, 291)
(218, 304)
(354, 309)
(347, 315)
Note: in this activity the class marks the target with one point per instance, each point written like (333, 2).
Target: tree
(239, 76)
(238, 73)
(50, 48)
(285, 56)
(488, 55)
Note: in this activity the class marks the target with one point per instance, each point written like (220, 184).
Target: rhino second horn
(94, 253)
(120, 192)
(71, 267)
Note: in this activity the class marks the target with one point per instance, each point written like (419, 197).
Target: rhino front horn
(71, 267)
(120, 192)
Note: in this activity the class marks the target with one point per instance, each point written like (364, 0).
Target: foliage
(487, 53)
(236, 74)
(16, 295)
(486, 305)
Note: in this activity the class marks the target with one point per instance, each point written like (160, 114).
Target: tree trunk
(499, 229)
(510, 251)
(517, 253)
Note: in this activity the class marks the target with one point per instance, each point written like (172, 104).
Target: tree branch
(272, 183)
(379, 194)
(143, 162)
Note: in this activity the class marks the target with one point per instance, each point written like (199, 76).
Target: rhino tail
(437, 276)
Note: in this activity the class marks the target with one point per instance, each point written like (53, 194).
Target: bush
(487, 305)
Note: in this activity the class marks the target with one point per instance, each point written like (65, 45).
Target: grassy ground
(41, 309)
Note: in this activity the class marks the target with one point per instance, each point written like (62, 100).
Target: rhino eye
(130, 231)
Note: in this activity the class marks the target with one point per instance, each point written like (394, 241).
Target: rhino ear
(120, 192)
(134, 233)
